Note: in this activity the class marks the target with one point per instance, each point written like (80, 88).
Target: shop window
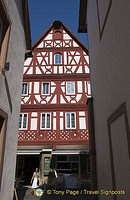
(70, 87)
(3, 122)
(70, 120)
(45, 120)
(4, 35)
(45, 88)
(23, 121)
(24, 88)
(57, 59)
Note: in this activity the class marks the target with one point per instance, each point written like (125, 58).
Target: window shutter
(4, 48)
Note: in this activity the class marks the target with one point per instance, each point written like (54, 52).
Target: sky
(44, 12)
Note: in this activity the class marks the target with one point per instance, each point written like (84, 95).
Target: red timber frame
(41, 68)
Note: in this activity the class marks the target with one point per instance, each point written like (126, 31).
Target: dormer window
(58, 59)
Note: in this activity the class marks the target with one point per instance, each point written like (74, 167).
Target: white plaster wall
(54, 123)
(34, 124)
(79, 84)
(10, 93)
(61, 123)
(36, 87)
(82, 123)
(110, 76)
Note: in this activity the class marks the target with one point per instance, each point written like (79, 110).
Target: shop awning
(63, 152)
(28, 152)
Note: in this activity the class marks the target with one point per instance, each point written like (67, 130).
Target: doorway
(26, 165)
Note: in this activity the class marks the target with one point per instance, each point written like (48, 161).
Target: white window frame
(22, 121)
(55, 59)
(70, 93)
(70, 120)
(27, 88)
(45, 121)
(42, 89)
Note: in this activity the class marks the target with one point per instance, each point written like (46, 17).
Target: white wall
(110, 76)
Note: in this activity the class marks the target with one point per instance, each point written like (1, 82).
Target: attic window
(57, 35)
(57, 59)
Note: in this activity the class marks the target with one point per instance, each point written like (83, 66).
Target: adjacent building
(54, 115)
(15, 41)
(109, 46)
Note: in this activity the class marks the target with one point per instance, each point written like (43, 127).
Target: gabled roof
(58, 23)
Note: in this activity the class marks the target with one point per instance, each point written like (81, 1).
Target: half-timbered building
(54, 117)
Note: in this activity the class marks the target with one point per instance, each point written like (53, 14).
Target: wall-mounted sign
(46, 165)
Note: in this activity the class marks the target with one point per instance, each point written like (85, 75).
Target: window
(58, 59)
(70, 121)
(4, 35)
(25, 88)
(45, 88)
(45, 120)
(70, 87)
(23, 121)
(57, 35)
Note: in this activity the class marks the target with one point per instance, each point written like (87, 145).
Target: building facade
(54, 116)
(15, 41)
(109, 36)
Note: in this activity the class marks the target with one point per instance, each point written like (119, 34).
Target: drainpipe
(93, 169)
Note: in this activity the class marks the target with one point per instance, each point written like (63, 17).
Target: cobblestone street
(27, 194)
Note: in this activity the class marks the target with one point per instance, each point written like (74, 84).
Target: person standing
(34, 180)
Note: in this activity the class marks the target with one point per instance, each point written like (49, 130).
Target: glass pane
(70, 87)
(48, 120)
(61, 158)
(24, 88)
(20, 121)
(25, 121)
(73, 157)
(68, 120)
(58, 58)
(73, 120)
(43, 120)
(45, 88)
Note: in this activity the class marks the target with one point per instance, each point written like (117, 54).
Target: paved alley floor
(27, 194)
